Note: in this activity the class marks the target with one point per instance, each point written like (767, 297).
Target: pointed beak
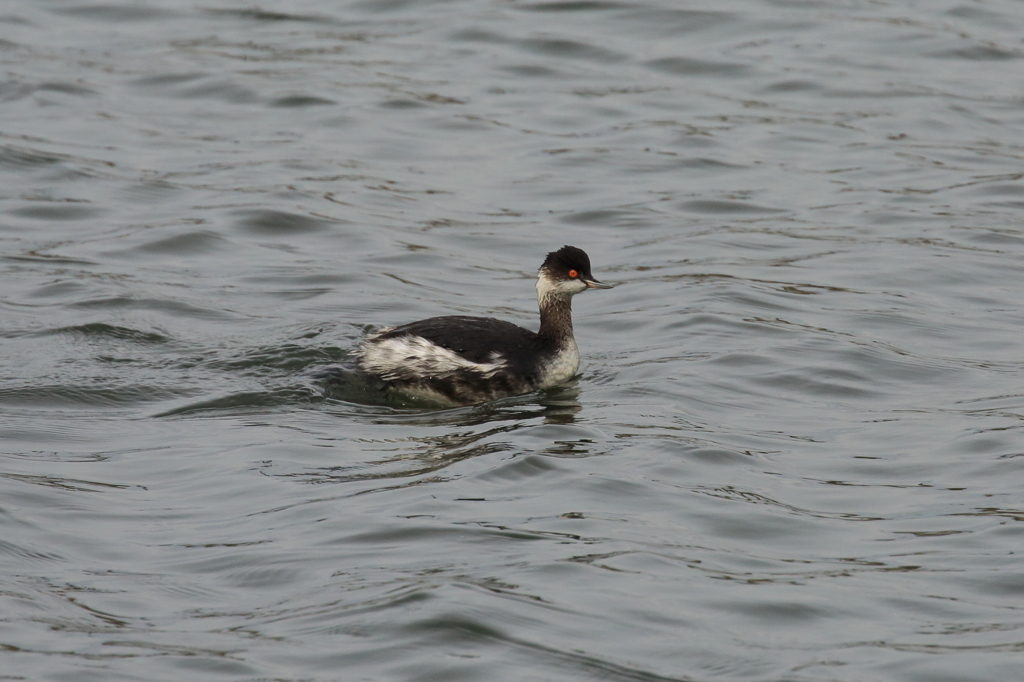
(594, 284)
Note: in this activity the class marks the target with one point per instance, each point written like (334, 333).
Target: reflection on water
(447, 441)
(346, 383)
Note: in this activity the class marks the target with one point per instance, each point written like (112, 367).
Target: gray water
(795, 449)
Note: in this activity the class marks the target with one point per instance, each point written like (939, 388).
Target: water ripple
(793, 451)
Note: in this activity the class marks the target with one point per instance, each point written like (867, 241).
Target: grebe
(462, 360)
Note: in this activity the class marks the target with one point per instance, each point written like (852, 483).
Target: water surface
(794, 451)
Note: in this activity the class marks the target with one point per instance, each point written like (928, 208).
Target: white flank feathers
(412, 357)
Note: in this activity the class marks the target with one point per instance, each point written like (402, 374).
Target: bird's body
(458, 359)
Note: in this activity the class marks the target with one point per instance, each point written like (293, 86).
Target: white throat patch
(548, 285)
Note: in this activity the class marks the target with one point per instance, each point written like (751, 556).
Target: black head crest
(568, 258)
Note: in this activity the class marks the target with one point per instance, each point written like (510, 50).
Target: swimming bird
(460, 360)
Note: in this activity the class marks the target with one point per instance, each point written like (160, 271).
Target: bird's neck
(555, 318)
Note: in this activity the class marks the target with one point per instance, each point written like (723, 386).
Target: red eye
(574, 274)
